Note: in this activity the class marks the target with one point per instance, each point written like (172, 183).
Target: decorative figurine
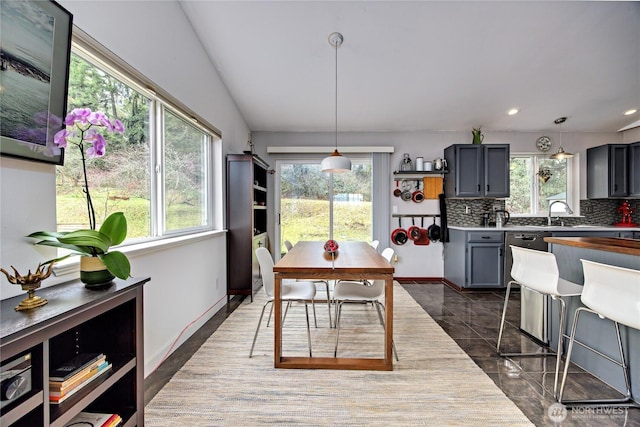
(30, 283)
(626, 210)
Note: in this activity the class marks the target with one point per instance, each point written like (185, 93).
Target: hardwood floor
(472, 319)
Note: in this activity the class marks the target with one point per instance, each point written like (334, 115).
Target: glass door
(302, 202)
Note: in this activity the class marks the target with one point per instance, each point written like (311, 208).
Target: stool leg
(504, 313)
(569, 350)
(561, 335)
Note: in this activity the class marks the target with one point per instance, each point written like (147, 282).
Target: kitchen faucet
(567, 209)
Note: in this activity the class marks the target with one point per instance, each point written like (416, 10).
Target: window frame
(573, 185)
(160, 101)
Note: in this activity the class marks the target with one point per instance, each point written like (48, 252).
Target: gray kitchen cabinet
(474, 259)
(608, 171)
(634, 169)
(477, 170)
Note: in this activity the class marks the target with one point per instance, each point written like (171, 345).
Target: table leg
(277, 324)
(388, 309)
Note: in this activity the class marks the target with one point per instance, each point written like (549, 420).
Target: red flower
(331, 246)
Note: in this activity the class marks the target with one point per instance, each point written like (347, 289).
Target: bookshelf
(246, 221)
(78, 320)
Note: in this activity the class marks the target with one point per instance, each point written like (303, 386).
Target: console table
(77, 320)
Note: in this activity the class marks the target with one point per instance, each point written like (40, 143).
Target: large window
(158, 172)
(537, 181)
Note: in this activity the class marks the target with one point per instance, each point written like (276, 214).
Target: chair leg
(627, 401)
(379, 306)
(306, 309)
(284, 316)
(270, 314)
(326, 285)
(337, 322)
(315, 319)
(258, 328)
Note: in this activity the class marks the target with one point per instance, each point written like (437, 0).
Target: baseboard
(419, 279)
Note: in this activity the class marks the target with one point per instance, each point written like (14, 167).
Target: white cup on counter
(419, 163)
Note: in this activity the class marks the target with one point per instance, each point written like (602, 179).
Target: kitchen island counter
(608, 244)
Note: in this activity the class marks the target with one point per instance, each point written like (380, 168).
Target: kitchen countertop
(621, 246)
(545, 228)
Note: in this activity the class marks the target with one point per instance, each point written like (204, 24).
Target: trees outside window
(175, 157)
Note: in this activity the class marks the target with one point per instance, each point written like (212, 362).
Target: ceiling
(425, 65)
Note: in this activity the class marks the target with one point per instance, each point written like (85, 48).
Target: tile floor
(472, 319)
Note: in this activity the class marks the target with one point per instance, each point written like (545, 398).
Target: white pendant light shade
(336, 163)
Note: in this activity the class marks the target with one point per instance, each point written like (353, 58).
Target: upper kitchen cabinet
(634, 169)
(477, 170)
(612, 171)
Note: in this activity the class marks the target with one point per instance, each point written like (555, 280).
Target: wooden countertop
(609, 244)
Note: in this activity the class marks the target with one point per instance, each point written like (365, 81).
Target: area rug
(433, 384)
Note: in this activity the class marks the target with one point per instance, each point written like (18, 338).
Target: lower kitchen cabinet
(474, 259)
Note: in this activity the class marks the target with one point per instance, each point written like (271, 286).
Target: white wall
(426, 261)
(187, 281)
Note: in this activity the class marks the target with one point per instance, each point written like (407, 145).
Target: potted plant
(98, 265)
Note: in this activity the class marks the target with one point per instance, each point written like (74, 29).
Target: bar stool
(538, 271)
(612, 293)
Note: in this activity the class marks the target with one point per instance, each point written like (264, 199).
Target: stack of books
(95, 419)
(75, 374)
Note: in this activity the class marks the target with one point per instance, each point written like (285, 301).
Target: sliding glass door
(302, 197)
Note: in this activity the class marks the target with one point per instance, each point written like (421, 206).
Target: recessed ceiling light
(513, 111)
(630, 112)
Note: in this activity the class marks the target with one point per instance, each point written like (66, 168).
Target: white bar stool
(538, 271)
(612, 293)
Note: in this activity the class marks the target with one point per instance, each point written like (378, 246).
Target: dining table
(352, 261)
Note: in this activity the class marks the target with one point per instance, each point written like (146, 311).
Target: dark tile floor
(472, 319)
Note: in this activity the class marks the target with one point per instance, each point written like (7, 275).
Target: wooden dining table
(352, 261)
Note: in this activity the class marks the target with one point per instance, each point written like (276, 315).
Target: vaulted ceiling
(426, 65)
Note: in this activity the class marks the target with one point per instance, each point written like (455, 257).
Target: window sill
(72, 264)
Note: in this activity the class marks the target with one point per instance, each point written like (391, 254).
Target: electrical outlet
(395, 209)
(467, 210)
(588, 209)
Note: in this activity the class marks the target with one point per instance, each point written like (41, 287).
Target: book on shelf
(73, 366)
(56, 400)
(78, 376)
(95, 419)
(59, 392)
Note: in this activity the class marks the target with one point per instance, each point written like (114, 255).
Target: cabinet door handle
(259, 243)
(478, 187)
(487, 188)
(486, 237)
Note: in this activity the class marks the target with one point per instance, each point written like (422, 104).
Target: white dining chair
(611, 293)
(358, 292)
(320, 285)
(374, 244)
(291, 291)
(538, 271)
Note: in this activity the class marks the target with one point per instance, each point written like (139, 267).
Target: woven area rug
(434, 384)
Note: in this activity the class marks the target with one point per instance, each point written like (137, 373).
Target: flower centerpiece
(98, 266)
(331, 246)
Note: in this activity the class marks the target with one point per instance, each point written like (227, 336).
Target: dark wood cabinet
(77, 320)
(477, 170)
(607, 171)
(246, 221)
(634, 169)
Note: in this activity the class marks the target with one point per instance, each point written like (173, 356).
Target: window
(158, 172)
(537, 181)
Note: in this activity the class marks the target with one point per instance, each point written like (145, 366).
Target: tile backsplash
(593, 212)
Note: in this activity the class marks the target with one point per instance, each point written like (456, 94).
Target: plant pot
(93, 273)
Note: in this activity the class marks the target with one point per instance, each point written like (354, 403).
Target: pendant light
(561, 154)
(336, 162)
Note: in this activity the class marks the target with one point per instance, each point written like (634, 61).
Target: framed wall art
(34, 76)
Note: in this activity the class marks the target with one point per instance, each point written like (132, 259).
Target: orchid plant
(85, 130)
